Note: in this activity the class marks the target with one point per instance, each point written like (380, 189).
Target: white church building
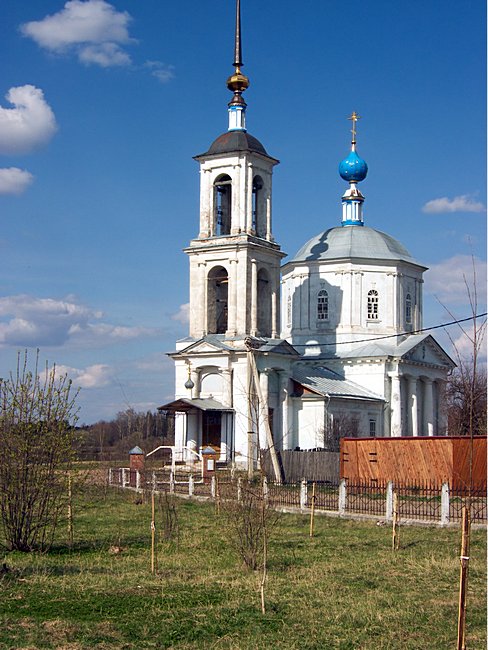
(329, 336)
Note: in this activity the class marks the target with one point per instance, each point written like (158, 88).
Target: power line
(390, 336)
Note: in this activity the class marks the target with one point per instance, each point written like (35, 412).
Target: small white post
(125, 480)
(138, 480)
(191, 485)
(171, 482)
(239, 489)
(110, 476)
(342, 496)
(154, 481)
(445, 504)
(265, 490)
(213, 487)
(389, 501)
(303, 494)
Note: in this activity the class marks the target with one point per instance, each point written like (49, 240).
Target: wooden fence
(296, 465)
(411, 459)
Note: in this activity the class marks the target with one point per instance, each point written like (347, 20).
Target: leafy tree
(37, 416)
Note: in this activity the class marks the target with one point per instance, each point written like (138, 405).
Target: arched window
(217, 297)
(322, 305)
(257, 186)
(288, 310)
(373, 305)
(264, 303)
(408, 309)
(222, 205)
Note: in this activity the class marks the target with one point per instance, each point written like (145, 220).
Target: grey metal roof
(231, 141)
(356, 242)
(279, 346)
(135, 451)
(184, 404)
(330, 384)
(393, 348)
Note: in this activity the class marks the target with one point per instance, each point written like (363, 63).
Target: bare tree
(37, 417)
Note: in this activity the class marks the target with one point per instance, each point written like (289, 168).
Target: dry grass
(342, 589)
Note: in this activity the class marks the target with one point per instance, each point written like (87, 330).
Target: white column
(395, 405)
(203, 307)
(195, 377)
(413, 425)
(264, 406)
(206, 203)
(232, 295)
(226, 387)
(268, 217)
(274, 311)
(286, 441)
(428, 408)
(254, 297)
(248, 201)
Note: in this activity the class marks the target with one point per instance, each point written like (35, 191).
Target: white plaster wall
(348, 285)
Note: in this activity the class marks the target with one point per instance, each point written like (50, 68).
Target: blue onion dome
(353, 168)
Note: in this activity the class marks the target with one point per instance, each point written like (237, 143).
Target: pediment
(429, 352)
(202, 347)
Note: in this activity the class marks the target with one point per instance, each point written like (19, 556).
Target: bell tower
(234, 261)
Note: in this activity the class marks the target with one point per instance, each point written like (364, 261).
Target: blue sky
(103, 104)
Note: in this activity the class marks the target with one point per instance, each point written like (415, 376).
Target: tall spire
(238, 49)
(237, 83)
(353, 169)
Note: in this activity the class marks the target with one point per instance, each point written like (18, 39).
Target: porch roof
(184, 405)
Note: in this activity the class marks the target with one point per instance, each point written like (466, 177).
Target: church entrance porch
(202, 423)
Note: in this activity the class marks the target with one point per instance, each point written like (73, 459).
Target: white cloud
(446, 280)
(93, 29)
(14, 180)
(183, 314)
(32, 322)
(463, 347)
(104, 55)
(161, 71)
(443, 205)
(95, 376)
(28, 125)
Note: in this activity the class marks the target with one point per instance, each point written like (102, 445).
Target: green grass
(343, 589)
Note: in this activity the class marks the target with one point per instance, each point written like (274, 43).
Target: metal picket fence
(420, 501)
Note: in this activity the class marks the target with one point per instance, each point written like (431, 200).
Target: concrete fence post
(110, 476)
(153, 481)
(125, 477)
(445, 504)
(303, 494)
(171, 482)
(342, 496)
(265, 490)
(239, 489)
(138, 480)
(389, 501)
(191, 485)
(213, 487)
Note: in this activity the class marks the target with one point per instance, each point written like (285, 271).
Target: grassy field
(343, 589)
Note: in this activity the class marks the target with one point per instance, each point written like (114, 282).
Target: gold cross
(354, 117)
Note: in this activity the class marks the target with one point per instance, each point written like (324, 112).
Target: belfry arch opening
(222, 205)
(217, 300)
(257, 204)
(264, 303)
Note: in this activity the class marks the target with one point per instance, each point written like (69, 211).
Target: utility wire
(390, 336)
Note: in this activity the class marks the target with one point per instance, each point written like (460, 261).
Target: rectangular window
(372, 428)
